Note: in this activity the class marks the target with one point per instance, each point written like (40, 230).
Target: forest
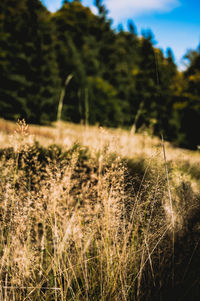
(109, 77)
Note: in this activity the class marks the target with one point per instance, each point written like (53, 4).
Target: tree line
(118, 78)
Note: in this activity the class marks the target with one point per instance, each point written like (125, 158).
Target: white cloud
(94, 9)
(120, 9)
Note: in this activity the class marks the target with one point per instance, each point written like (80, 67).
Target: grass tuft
(87, 222)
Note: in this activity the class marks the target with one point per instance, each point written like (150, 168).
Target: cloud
(94, 9)
(119, 9)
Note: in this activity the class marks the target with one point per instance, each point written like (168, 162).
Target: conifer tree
(42, 74)
(146, 81)
(187, 111)
(12, 60)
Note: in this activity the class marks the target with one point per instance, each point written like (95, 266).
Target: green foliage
(12, 60)
(104, 106)
(186, 113)
(119, 79)
(30, 81)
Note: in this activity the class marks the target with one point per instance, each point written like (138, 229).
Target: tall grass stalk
(171, 206)
(62, 95)
(86, 107)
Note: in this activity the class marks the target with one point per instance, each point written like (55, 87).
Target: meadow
(89, 213)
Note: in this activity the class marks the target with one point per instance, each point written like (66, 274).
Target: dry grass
(125, 143)
(90, 218)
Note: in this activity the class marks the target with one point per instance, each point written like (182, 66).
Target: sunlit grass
(86, 214)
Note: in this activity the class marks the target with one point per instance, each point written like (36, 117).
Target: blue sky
(175, 23)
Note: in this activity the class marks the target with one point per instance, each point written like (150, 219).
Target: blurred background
(103, 62)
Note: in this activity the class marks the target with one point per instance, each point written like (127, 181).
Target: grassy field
(88, 213)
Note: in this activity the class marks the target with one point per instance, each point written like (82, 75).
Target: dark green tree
(146, 82)
(42, 74)
(29, 85)
(12, 60)
(166, 74)
(187, 109)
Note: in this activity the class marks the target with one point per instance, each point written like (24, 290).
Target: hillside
(90, 213)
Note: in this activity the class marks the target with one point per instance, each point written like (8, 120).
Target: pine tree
(29, 80)
(188, 109)
(146, 81)
(42, 74)
(12, 61)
